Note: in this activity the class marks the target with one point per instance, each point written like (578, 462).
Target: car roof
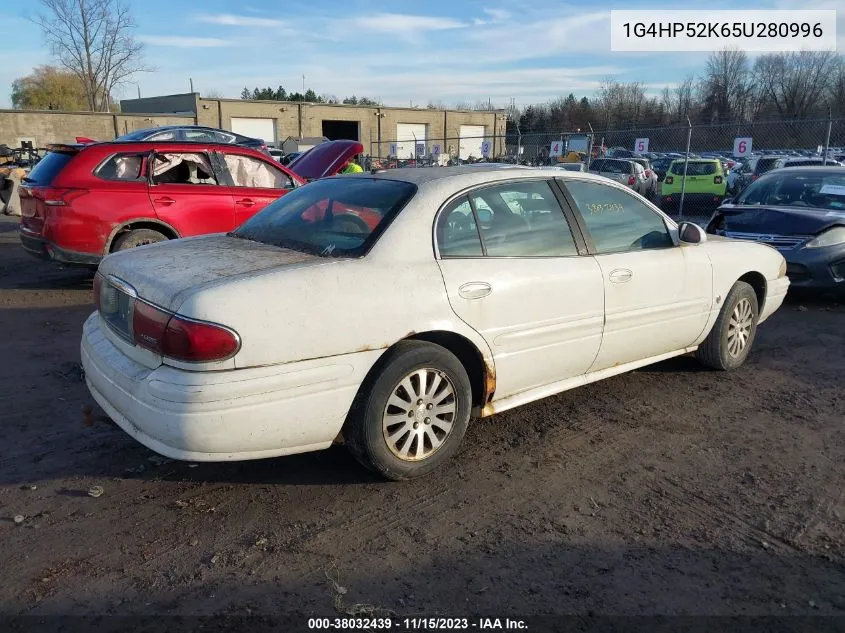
(475, 174)
(832, 169)
(173, 145)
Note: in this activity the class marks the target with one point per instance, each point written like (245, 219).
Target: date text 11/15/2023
(417, 624)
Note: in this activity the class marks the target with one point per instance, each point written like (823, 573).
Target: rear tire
(729, 342)
(411, 413)
(138, 237)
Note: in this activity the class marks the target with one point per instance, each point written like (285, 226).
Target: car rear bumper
(223, 415)
(672, 200)
(46, 250)
(816, 268)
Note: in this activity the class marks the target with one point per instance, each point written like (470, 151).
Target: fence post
(590, 146)
(686, 162)
(827, 136)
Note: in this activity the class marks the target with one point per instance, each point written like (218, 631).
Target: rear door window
(48, 168)
(694, 169)
(123, 167)
(182, 168)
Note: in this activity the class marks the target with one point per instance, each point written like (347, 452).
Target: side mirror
(690, 233)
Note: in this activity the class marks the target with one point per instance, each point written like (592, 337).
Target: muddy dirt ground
(671, 490)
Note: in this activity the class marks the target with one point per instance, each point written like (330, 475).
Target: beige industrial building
(383, 130)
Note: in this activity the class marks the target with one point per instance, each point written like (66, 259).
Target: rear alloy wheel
(138, 237)
(729, 342)
(411, 415)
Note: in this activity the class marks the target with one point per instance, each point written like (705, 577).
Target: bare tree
(796, 83)
(92, 39)
(724, 88)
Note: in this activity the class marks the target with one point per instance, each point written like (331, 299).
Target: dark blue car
(194, 133)
(800, 211)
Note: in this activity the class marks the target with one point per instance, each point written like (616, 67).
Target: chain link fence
(809, 137)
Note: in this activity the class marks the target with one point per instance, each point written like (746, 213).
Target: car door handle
(164, 201)
(620, 276)
(475, 290)
(245, 202)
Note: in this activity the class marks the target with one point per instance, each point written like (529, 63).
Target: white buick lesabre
(386, 309)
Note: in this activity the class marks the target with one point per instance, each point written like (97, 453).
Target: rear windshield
(337, 217)
(694, 168)
(766, 164)
(805, 189)
(48, 168)
(611, 166)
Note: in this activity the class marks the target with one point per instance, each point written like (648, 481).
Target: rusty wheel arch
(140, 223)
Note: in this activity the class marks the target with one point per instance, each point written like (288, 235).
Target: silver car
(625, 171)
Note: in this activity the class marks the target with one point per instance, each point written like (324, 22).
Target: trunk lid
(325, 159)
(167, 273)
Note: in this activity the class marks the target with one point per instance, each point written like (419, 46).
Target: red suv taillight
(57, 196)
(717, 180)
(669, 180)
(173, 335)
(632, 180)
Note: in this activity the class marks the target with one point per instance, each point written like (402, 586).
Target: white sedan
(384, 310)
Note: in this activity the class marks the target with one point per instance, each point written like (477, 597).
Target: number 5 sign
(742, 146)
(641, 146)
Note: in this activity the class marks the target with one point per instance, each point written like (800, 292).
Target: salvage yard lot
(671, 490)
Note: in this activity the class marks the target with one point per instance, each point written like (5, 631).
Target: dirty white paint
(312, 328)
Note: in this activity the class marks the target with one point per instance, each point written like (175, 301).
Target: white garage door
(256, 128)
(472, 136)
(406, 135)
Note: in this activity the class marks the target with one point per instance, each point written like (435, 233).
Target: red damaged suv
(82, 202)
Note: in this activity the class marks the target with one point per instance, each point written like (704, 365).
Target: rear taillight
(180, 338)
(669, 180)
(632, 180)
(57, 196)
(755, 176)
(717, 180)
(173, 335)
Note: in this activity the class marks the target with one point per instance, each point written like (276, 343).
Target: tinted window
(522, 219)
(169, 135)
(616, 220)
(694, 168)
(122, 167)
(338, 217)
(457, 234)
(809, 189)
(247, 171)
(205, 136)
(48, 168)
(182, 168)
(612, 166)
(766, 164)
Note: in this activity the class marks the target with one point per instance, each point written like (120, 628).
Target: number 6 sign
(742, 146)
(641, 146)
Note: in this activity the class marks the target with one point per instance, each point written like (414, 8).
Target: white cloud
(178, 41)
(403, 24)
(227, 19)
(498, 15)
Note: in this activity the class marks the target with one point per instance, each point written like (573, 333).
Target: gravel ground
(671, 490)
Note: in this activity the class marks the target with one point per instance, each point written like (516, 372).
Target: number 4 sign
(641, 146)
(742, 146)
(556, 149)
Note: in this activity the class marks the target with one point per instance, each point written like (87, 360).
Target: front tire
(410, 416)
(729, 342)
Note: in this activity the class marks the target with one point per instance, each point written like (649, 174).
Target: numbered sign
(486, 149)
(556, 149)
(742, 146)
(641, 146)
(420, 149)
(435, 150)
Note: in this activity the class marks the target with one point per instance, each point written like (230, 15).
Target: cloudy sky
(400, 52)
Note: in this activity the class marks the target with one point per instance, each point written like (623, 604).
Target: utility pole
(192, 84)
(303, 85)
